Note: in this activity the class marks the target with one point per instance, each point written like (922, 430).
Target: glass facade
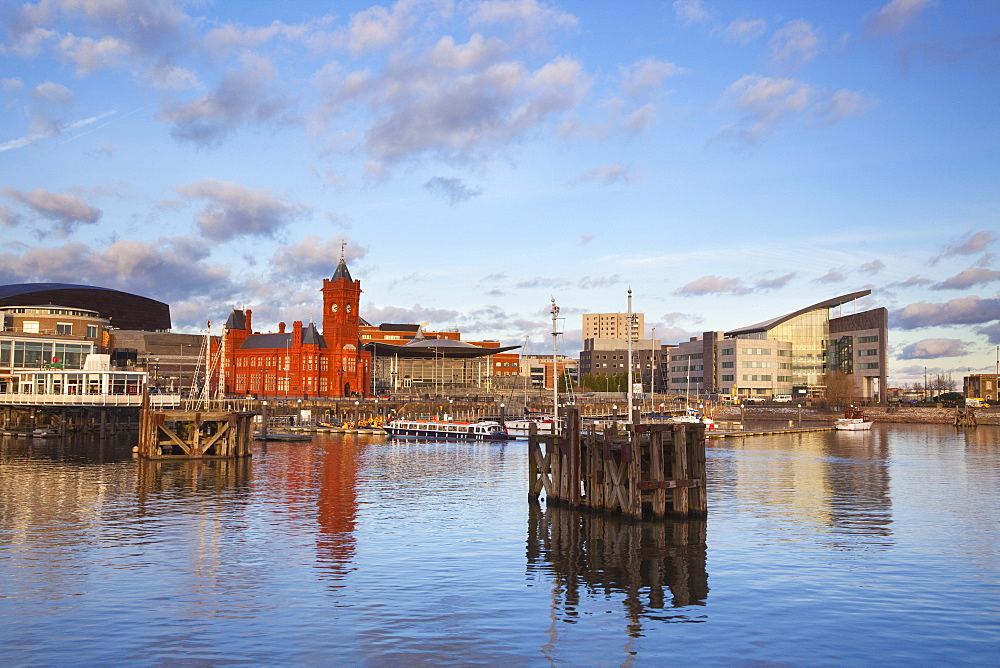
(33, 354)
(808, 333)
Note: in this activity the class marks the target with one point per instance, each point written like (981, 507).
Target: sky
(726, 161)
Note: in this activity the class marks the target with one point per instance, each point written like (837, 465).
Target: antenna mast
(555, 368)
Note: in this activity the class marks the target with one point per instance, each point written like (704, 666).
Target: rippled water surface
(819, 548)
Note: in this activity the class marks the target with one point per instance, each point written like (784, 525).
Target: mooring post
(572, 449)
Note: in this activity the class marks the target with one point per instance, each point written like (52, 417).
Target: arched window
(350, 358)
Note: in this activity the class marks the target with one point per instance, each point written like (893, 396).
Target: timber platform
(631, 469)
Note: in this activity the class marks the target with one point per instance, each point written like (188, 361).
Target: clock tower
(341, 331)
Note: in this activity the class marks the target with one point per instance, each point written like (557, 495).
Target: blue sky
(727, 161)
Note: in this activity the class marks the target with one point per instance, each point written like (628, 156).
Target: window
(867, 353)
(30, 327)
(868, 365)
(728, 365)
(64, 328)
(726, 378)
(91, 331)
(868, 339)
(728, 351)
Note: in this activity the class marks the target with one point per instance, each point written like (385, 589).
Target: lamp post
(263, 383)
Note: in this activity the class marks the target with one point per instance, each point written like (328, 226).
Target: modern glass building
(791, 354)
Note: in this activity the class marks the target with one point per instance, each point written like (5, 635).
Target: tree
(601, 383)
(839, 389)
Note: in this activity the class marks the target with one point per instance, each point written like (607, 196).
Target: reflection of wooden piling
(656, 565)
(195, 434)
(658, 469)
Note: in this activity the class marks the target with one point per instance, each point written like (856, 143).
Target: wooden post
(698, 494)
(656, 472)
(679, 469)
(572, 450)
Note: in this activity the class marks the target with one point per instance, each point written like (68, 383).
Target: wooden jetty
(191, 434)
(637, 469)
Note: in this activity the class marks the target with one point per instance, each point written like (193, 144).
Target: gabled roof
(774, 322)
(310, 335)
(266, 341)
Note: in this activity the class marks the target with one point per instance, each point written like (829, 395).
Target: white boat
(694, 417)
(853, 420)
(486, 430)
(521, 428)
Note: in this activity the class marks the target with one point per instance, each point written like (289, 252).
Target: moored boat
(522, 428)
(486, 430)
(853, 420)
(694, 417)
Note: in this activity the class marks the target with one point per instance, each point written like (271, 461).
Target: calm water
(821, 548)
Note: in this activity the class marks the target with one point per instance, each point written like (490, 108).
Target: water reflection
(837, 485)
(655, 568)
(337, 509)
(230, 477)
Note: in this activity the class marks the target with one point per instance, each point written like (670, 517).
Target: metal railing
(122, 400)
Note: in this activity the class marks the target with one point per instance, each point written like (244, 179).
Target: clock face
(348, 308)
(333, 308)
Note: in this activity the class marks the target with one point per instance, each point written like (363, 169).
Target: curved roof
(774, 322)
(431, 348)
(124, 310)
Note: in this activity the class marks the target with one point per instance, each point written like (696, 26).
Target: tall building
(303, 361)
(612, 326)
(609, 357)
(791, 354)
(350, 357)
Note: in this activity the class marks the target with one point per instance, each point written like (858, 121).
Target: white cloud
(691, 12)
(898, 15)
(743, 31)
(236, 211)
(795, 44)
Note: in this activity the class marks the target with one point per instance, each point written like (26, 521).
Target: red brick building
(303, 362)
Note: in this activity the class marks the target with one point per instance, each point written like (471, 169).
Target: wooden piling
(965, 417)
(171, 434)
(626, 471)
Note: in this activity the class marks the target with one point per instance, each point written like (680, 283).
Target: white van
(783, 398)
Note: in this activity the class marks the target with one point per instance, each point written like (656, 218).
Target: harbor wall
(893, 414)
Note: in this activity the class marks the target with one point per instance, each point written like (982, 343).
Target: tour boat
(853, 420)
(486, 430)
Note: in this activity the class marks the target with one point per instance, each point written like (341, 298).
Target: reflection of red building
(337, 507)
(303, 362)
